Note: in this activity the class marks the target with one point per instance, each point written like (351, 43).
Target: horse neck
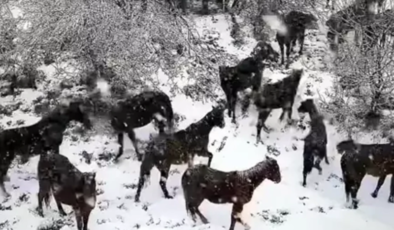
(313, 113)
(256, 174)
(203, 126)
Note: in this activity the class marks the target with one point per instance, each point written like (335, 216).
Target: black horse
(359, 159)
(40, 138)
(201, 182)
(138, 111)
(274, 96)
(315, 143)
(179, 148)
(296, 23)
(58, 177)
(248, 73)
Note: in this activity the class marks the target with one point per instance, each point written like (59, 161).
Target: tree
(133, 43)
(364, 71)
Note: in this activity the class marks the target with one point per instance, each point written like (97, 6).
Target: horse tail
(309, 160)
(347, 172)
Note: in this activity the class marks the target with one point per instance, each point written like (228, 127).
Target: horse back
(217, 186)
(139, 110)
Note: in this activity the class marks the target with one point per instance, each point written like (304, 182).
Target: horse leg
(3, 177)
(301, 40)
(43, 194)
(85, 217)
(192, 205)
(228, 97)
(325, 155)
(236, 217)
(120, 142)
(354, 190)
(317, 165)
(60, 207)
(205, 9)
(378, 186)
(210, 156)
(78, 217)
(293, 44)
(202, 217)
(282, 53)
(145, 169)
(164, 168)
(308, 165)
(391, 197)
(288, 49)
(263, 115)
(131, 134)
(234, 98)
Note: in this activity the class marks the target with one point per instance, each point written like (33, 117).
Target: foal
(138, 111)
(179, 148)
(68, 185)
(316, 140)
(201, 182)
(358, 160)
(46, 135)
(274, 96)
(248, 73)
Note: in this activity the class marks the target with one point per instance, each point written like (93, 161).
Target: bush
(364, 76)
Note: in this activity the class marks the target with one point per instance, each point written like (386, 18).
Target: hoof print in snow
(222, 143)
(130, 186)
(334, 177)
(318, 209)
(5, 208)
(5, 225)
(294, 147)
(24, 197)
(87, 157)
(273, 150)
(106, 156)
(303, 198)
(99, 191)
(55, 224)
(103, 205)
(174, 171)
(137, 226)
(274, 218)
(145, 206)
(20, 122)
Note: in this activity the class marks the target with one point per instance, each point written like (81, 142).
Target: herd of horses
(59, 177)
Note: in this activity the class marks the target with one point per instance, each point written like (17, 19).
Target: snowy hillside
(288, 205)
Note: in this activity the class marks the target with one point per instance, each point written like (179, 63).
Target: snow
(287, 205)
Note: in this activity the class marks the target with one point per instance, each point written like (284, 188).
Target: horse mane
(254, 171)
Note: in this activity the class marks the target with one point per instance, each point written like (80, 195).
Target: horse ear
(267, 157)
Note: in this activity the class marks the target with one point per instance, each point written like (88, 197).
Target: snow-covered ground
(288, 205)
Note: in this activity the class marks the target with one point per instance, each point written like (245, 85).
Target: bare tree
(364, 71)
(134, 43)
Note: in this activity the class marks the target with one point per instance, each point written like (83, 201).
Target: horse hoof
(391, 199)
(136, 200)
(374, 195)
(40, 212)
(63, 213)
(169, 197)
